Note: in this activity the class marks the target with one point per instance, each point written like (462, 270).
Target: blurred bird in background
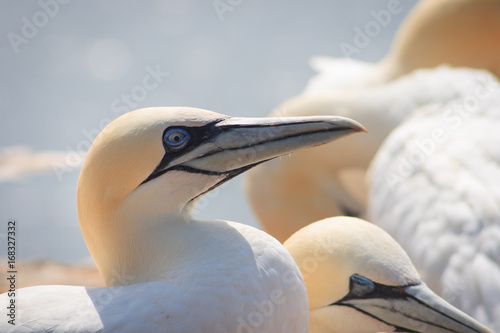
(432, 184)
(342, 87)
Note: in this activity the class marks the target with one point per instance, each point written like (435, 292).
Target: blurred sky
(76, 60)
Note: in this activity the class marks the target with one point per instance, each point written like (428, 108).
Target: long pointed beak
(415, 308)
(244, 142)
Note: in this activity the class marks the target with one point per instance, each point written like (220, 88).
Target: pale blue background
(65, 78)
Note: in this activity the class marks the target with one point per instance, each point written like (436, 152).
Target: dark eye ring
(176, 138)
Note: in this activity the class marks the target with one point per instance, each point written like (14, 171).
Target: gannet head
(359, 279)
(435, 32)
(147, 168)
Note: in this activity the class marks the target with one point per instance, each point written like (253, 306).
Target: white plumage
(329, 181)
(450, 200)
(231, 288)
(165, 271)
(435, 188)
(442, 209)
(433, 34)
(348, 264)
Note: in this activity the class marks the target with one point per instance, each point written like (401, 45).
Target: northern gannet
(359, 279)
(459, 33)
(313, 185)
(164, 270)
(330, 180)
(434, 33)
(435, 187)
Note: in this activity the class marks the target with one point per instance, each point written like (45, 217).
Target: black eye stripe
(361, 287)
(198, 136)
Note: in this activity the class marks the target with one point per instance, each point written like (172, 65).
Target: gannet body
(435, 188)
(165, 271)
(330, 180)
(234, 288)
(433, 34)
(359, 279)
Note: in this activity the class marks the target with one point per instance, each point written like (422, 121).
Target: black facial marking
(361, 287)
(203, 134)
(207, 133)
(198, 135)
(228, 175)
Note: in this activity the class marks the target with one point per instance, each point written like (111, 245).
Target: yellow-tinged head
(145, 171)
(359, 279)
(330, 251)
(463, 33)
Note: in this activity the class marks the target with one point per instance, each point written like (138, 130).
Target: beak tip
(348, 123)
(356, 126)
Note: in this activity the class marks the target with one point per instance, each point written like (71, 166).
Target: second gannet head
(436, 32)
(146, 170)
(359, 279)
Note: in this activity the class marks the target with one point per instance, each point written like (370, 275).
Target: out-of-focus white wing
(340, 73)
(314, 184)
(435, 187)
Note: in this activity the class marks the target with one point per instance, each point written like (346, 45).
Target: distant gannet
(460, 33)
(359, 279)
(435, 187)
(434, 33)
(329, 181)
(165, 271)
(456, 32)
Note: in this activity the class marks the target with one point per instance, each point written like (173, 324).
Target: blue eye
(176, 138)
